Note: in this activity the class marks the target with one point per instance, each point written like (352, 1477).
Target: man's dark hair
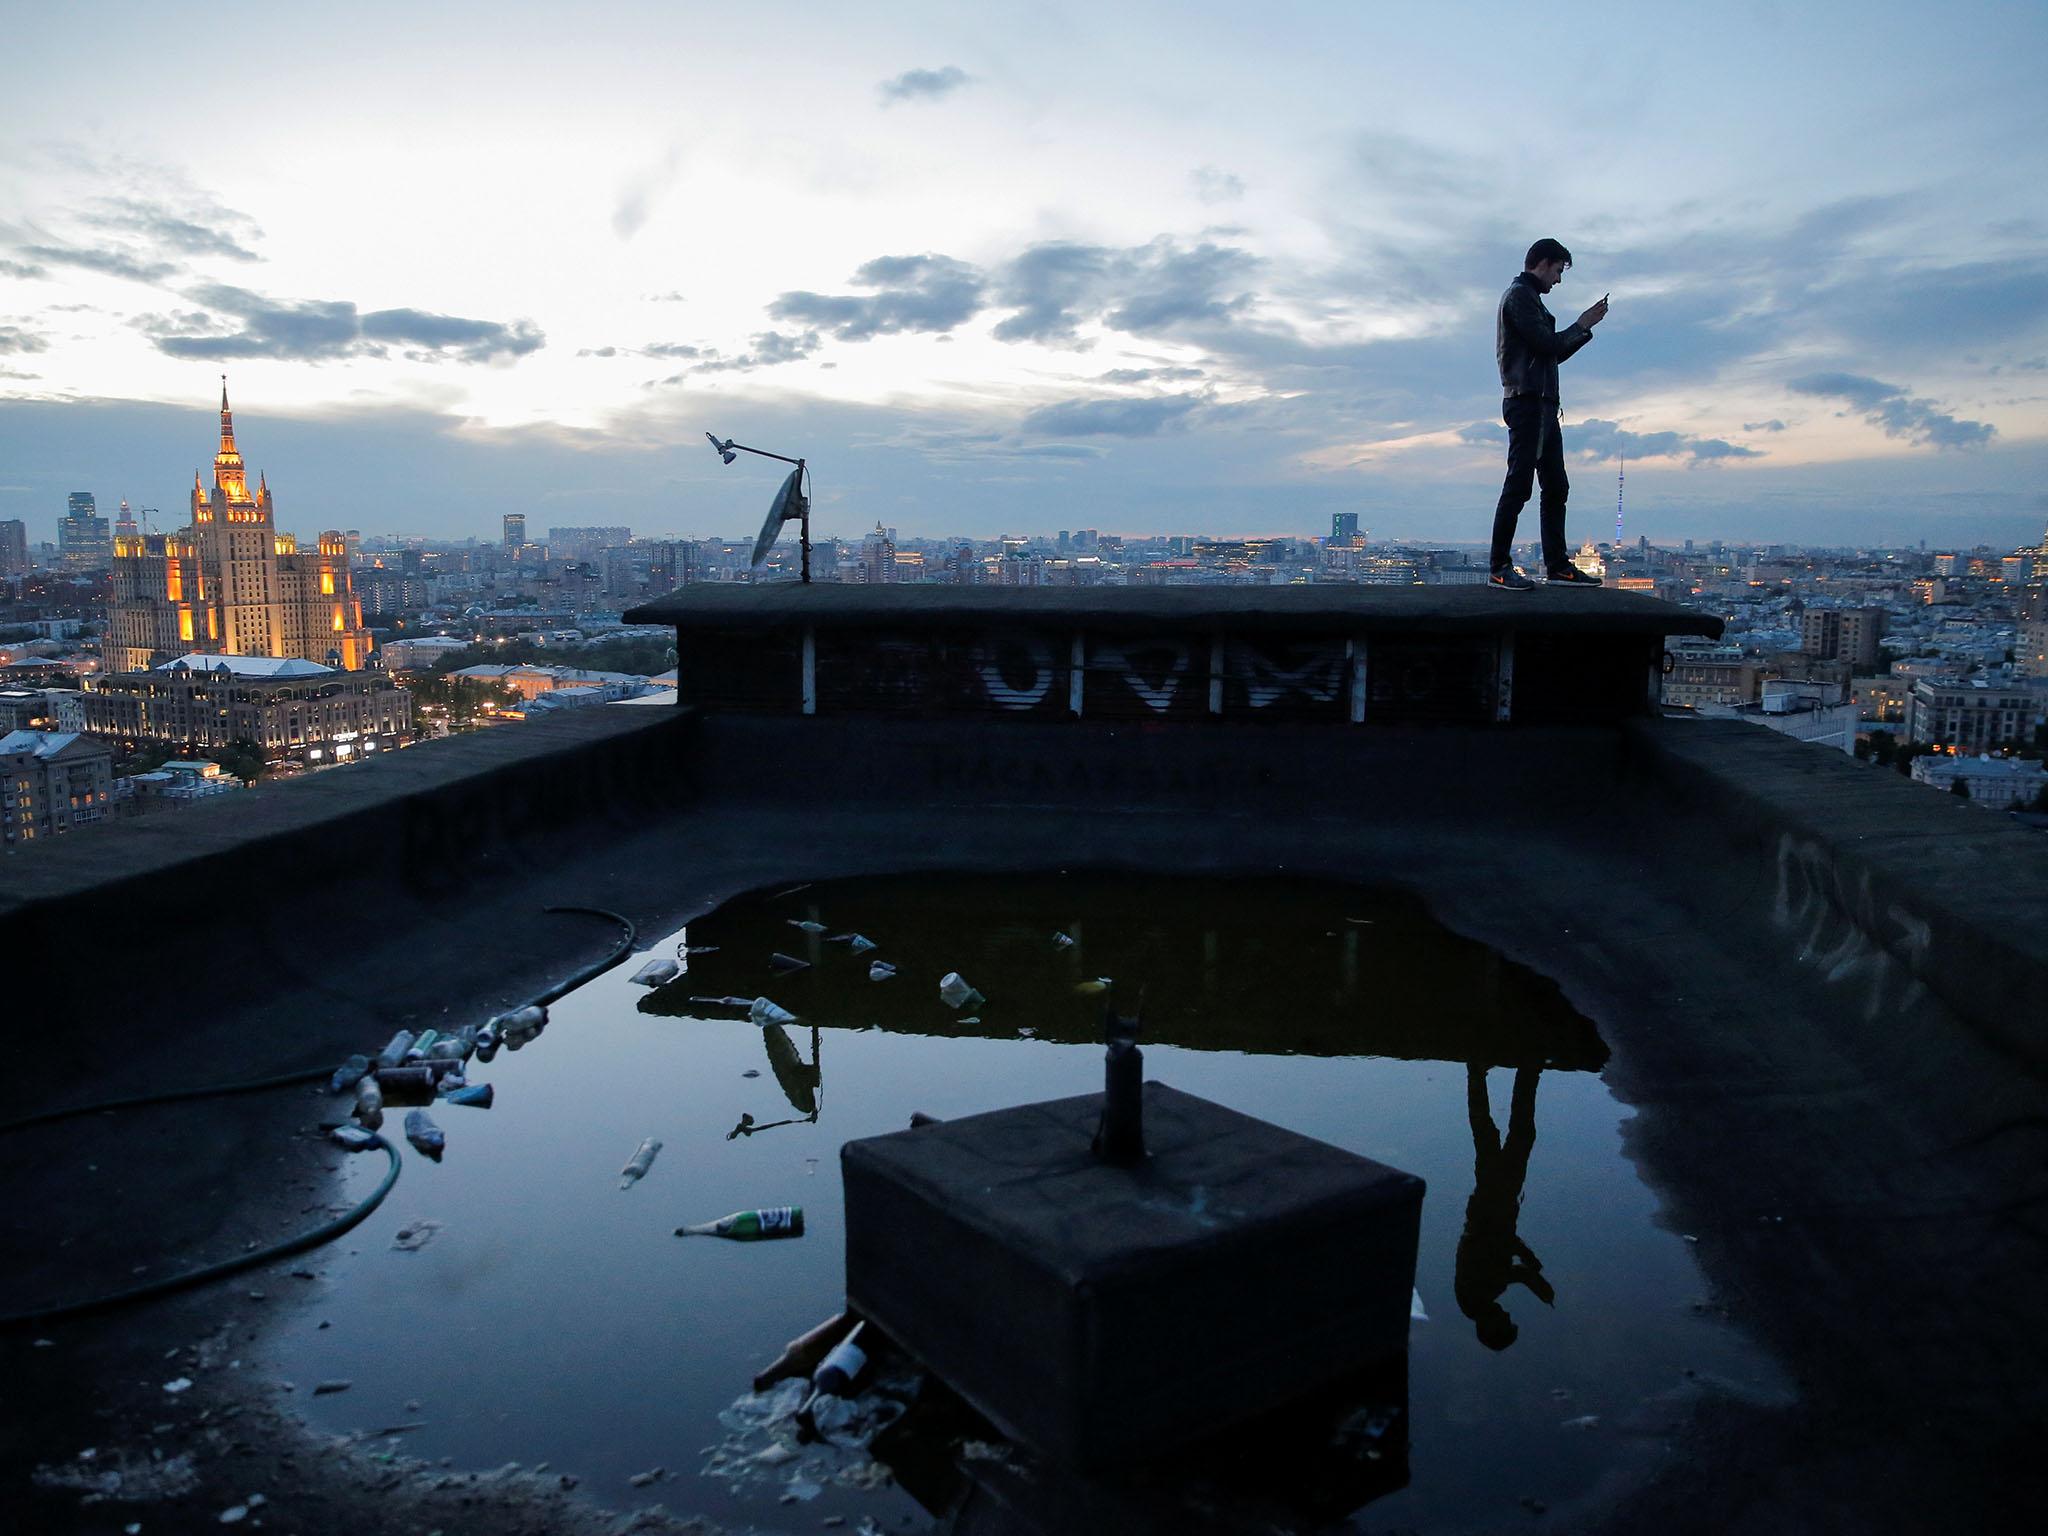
(1546, 250)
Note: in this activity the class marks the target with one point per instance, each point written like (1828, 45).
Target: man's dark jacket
(1527, 343)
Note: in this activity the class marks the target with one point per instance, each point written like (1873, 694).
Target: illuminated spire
(227, 419)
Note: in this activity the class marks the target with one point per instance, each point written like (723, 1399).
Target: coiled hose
(328, 1230)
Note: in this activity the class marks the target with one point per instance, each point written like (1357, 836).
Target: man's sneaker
(1508, 579)
(1571, 576)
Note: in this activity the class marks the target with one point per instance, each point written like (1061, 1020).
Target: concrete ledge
(1886, 886)
(325, 852)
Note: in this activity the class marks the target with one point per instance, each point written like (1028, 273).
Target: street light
(792, 502)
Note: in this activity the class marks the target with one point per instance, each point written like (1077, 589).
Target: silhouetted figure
(1529, 346)
(1491, 1257)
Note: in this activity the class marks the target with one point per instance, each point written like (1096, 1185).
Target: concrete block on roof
(1100, 1314)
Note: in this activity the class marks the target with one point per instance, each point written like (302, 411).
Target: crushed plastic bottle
(348, 1074)
(1062, 941)
(806, 924)
(424, 1044)
(529, 1021)
(412, 1084)
(954, 991)
(860, 944)
(880, 970)
(781, 962)
(369, 1110)
(658, 972)
(764, 1013)
(638, 1164)
(476, 1096)
(426, 1137)
(394, 1053)
(724, 1002)
(353, 1138)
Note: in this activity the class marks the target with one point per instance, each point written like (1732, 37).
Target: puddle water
(553, 1317)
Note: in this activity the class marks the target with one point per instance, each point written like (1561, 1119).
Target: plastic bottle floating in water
(751, 1226)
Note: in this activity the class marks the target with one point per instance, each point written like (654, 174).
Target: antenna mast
(1620, 483)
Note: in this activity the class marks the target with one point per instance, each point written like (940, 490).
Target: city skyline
(1001, 274)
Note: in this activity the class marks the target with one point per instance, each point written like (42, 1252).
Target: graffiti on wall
(1857, 941)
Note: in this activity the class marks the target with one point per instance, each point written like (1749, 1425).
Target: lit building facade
(1970, 717)
(13, 547)
(231, 584)
(82, 540)
(51, 782)
(288, 708)
(1843, 634)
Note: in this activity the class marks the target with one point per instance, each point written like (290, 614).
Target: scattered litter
(327, 1387)
(658, 972)
(700, 949)
(182, 1384)
(751, 1072)
(405, 1085)
(394, 1053)
(642, 1479)
(415, 1236)
(477, 1096)
(880, 970)
(954, 991)
(972, 1018)
(234, 1514)
(860, 943)
(1583, 1421)
(1062, 941)
(1415, 1312)
(515, 1028)
(1096, 987)
(781, 962)
(426, 1137)
(131, 1477)
(724, 1002)
(1690, 1238)
(1363, 922)
(348, 1074)
(369, 1104)
(761, 1011)
(1027, 1033)
(802, 1490)
(353, 1138)
(638, 1164)
(774, 1455)
(429, 1038)
(805, 923)
(751, 1226)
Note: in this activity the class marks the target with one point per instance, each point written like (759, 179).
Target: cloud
(1054, 288)
(1897, 414)
(770, 349)
(1483, 434)
(1773, 425)
(663, 349)
(637, 197)
(1149, 375)
(159, 225)
(926, 293)
(1216, 186)
(13, 339)
(92, 259)
(21, 269)
(923, 84)
(673, 296)
(1594, 440)
(1111, 418)
(321, 330)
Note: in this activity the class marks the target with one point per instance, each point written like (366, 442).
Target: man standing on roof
(1529, 346)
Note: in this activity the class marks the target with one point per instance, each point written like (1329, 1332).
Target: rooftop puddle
(552, 1317)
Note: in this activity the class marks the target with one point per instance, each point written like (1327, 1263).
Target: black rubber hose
(326, 1231)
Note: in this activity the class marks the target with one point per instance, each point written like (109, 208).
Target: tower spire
(227, 419)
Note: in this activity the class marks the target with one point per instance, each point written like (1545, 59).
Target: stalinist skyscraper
(231, 584)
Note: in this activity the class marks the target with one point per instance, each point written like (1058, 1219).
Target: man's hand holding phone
(1595, 315)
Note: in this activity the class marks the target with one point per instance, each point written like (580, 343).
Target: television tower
(1620, 483)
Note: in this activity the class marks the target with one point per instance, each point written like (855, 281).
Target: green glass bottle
(751, 1226)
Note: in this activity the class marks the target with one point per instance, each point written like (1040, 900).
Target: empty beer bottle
(751, 1226)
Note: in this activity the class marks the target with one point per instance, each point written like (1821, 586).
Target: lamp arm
(763, 452)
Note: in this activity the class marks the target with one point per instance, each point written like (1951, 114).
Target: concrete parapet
(1886, 887)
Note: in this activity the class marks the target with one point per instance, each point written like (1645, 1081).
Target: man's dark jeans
(1535, 452)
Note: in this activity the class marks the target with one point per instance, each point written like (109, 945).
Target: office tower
(83, 541)
(515, 530)
(13, 547)
(1343, 528)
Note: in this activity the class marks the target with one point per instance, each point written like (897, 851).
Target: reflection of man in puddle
(1490, 1256)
